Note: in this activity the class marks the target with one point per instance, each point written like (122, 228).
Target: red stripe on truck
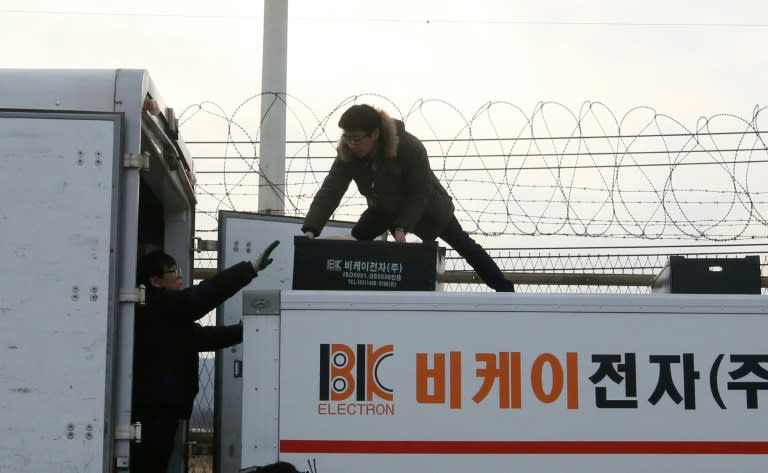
(470, 447)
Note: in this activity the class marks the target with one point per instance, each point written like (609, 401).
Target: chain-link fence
(201, 423)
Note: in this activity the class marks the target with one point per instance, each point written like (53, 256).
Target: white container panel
(242, 236)
(57, 178)
(58, 89)
(505, 382)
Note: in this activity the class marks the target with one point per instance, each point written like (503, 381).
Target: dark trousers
(158, 432)
(372, 224)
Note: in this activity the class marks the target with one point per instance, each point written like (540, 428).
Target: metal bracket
(134, 294)
(131, 432)
(265, 302)
(206, 245)
(140, 161)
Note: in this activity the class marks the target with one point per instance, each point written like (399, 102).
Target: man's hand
(309, 235)
(399, 235)
(263, 260)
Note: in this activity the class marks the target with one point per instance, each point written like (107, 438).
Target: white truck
(92, 171)
(347, 382)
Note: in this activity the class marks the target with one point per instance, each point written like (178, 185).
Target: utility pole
(273, 87)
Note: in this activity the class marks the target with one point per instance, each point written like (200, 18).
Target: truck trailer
(455, 382)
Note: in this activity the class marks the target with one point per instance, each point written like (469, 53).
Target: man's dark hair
(154, 264)
(360, 117)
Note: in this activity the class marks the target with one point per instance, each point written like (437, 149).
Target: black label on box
(364, 265)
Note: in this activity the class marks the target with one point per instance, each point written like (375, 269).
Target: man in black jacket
(391, 169)
(166, 345)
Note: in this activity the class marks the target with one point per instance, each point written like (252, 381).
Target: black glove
(263, 260)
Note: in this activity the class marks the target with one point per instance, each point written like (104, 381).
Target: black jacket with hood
(167, 339)
(395, 179)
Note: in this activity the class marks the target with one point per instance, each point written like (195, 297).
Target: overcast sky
(686, 57)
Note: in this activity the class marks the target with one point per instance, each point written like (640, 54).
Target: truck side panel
(243, 236)
(58, 236)
(452, 382)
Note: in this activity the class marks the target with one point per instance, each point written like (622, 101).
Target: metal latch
(140, 161)
(131, 432)
(206, 245)
(134, 294)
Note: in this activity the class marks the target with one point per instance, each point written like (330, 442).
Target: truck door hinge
(140, 161)
(130, 432)
(134, 294)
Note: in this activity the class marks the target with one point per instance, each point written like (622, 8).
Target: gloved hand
(263, 260)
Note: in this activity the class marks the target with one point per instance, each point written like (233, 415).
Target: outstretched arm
(215, 338)
(196, 301)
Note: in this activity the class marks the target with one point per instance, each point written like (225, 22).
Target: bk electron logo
(350, 379)
(346, 371)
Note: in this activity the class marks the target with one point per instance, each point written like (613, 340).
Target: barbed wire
(553, 171)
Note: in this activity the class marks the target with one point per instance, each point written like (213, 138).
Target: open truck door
(88, 178)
